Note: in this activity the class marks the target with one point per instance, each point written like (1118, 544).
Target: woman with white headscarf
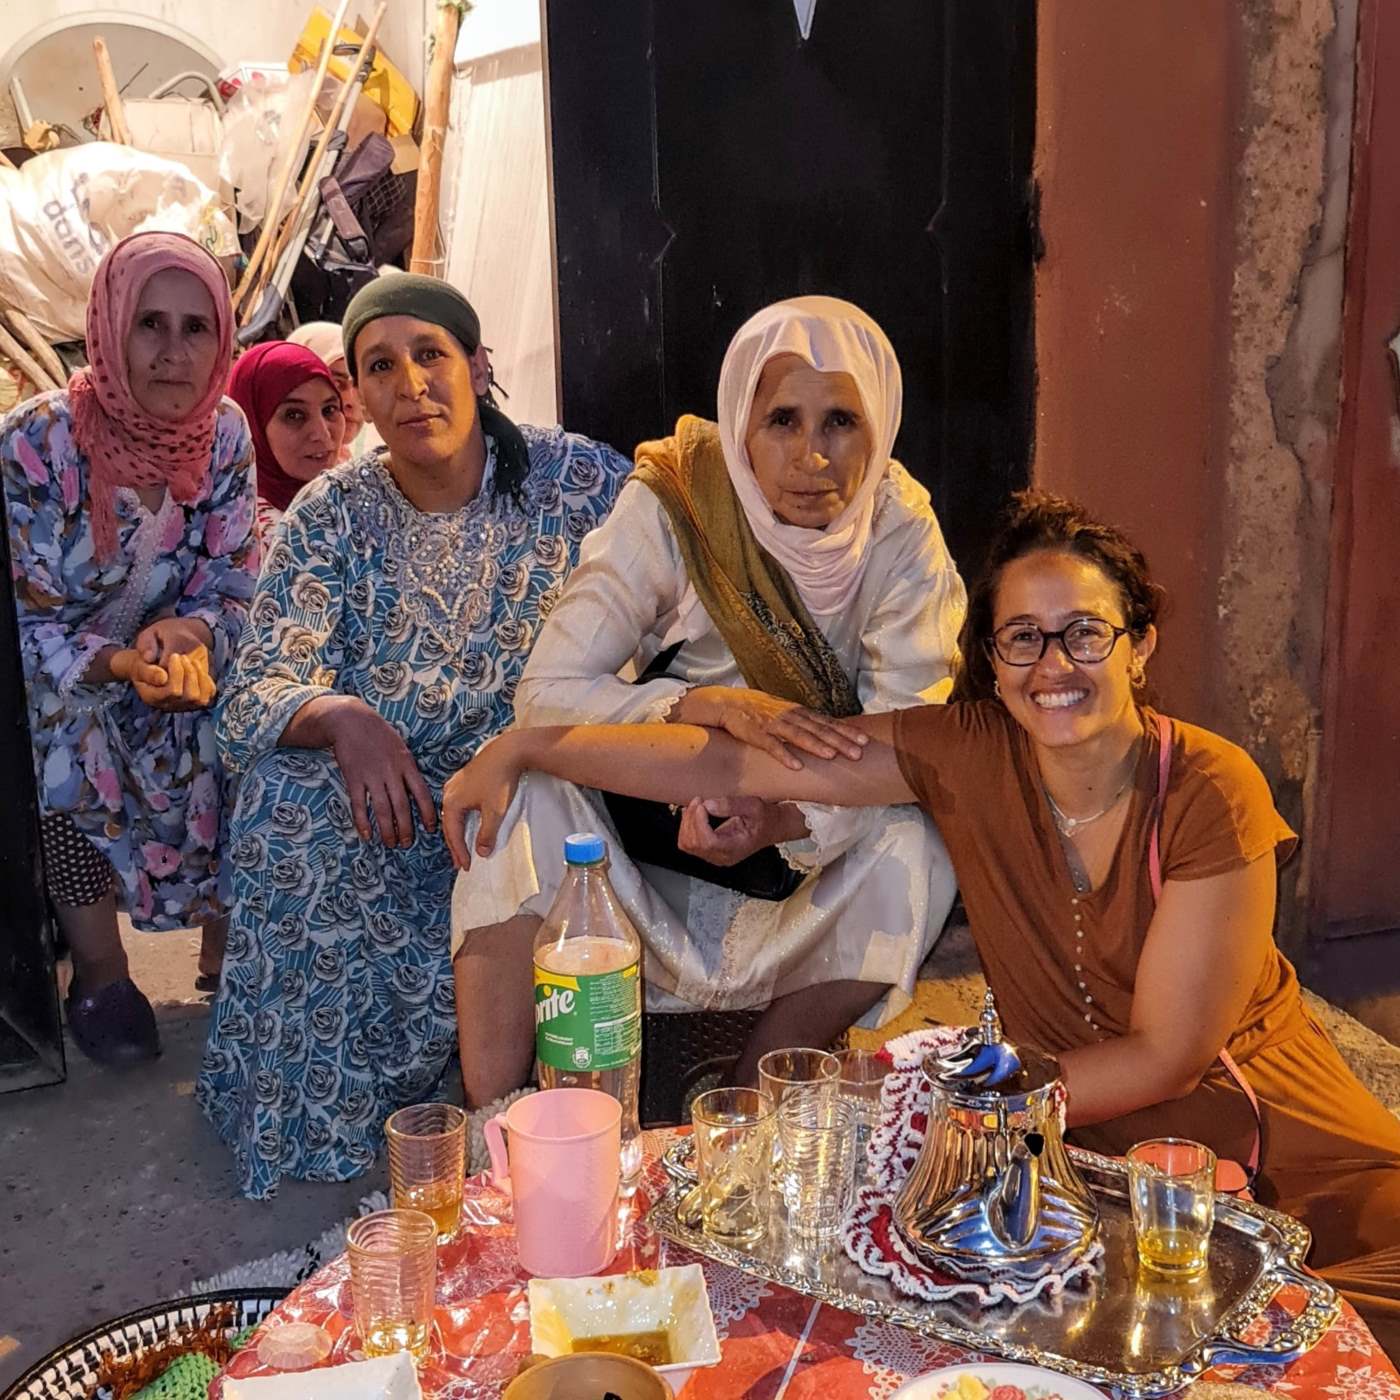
(777, 556)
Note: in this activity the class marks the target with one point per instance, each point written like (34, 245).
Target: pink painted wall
(1134, 156)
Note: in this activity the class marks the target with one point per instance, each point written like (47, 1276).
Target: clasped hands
(779, 728)
(168, 665)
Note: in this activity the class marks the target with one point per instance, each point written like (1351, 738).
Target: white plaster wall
(496, 213)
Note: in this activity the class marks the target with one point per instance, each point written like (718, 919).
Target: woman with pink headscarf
(129, 497)
(293, 408)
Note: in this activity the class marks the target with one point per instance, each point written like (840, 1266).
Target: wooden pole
(33, 370)
(313, 167)
(288, 168)
(111, 97)
(437, 107)
(28, 332)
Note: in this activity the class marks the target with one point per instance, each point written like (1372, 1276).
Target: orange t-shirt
(1063, 964)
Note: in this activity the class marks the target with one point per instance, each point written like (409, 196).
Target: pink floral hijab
(125, 445)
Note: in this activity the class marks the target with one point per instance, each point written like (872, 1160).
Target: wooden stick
(313, 168)
(284, 175)
(111, 97)
(32, 369)
(436, 111)
(28, 332)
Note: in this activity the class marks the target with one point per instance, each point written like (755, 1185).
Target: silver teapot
(993, 1190)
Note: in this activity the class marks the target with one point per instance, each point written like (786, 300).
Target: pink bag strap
(1154, 874)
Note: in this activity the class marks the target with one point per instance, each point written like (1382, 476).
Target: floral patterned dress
(336, 1005)
(144, 787)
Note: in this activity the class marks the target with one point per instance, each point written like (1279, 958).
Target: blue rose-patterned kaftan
(336, 1004)
(143, 786)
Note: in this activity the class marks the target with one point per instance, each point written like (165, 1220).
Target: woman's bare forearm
(675, 762)
(1122, 1075)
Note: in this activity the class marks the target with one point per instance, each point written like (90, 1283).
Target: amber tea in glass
(427, 1162)
(393, 1275)
(1171, 1187)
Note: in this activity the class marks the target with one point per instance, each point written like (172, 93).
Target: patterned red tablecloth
(777, 1345)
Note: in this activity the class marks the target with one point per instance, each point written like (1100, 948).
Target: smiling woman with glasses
(1118, 870)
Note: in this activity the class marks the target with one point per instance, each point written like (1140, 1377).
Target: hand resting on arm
(778, 728)
(664, 763)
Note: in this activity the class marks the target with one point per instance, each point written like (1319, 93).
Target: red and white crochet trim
(869, 1234)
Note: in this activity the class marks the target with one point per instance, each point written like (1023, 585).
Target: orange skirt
(1330, 1157)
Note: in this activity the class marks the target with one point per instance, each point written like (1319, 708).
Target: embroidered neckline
(440, 563)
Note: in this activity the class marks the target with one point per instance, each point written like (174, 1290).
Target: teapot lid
(985, 1065)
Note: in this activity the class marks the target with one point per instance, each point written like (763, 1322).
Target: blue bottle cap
(585, 848)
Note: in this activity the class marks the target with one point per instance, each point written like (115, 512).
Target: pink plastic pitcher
(565, 1162)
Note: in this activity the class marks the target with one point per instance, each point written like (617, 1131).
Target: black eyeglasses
(1086, 639)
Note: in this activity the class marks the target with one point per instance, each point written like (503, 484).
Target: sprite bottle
(588, 992)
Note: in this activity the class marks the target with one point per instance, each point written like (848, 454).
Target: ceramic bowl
(589, 1374)
(674, 1301)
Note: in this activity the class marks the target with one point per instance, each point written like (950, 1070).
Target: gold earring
(996, 687)
(1137, 673)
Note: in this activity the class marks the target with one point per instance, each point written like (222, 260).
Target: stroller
(367, 221)
(361, 219)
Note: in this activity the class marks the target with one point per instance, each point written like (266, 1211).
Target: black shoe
(115, 1024)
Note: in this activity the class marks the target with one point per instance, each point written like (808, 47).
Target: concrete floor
(117, 1194)
(115, 1191)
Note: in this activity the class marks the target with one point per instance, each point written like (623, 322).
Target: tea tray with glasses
(1141, 1335)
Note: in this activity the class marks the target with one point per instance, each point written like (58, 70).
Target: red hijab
(261, 380)
(125, 445)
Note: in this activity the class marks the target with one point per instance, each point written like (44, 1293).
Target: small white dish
(981, 1381)
(673, 1301)
(380, 1378)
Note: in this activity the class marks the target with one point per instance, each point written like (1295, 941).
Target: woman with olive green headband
(398, 601)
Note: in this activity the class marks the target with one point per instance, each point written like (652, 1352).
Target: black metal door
(31, 1035)
(708, 159)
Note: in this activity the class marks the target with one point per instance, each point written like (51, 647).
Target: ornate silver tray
(1127, 1331)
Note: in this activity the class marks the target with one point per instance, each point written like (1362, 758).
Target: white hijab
(832, 336)
(322, 338)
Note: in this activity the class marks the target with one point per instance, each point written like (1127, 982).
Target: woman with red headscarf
(130, 505)
(292, 404)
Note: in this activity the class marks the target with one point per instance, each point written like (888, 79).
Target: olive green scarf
(749, 596)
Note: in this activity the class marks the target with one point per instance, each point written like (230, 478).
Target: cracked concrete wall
(1284, 377)
(1194, 163)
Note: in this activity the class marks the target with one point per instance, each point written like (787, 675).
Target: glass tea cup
(427, 1162)
(818, 1133)
(780, 1072)
(733, 1131)
(393, 1275)
(861, 1080)
(1171, 1187)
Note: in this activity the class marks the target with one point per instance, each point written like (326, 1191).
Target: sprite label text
(588, 1021)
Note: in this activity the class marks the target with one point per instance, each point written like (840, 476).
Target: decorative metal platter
(1127, 1331)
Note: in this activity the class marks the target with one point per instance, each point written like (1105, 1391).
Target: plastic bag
(63, 210)
(261, 119)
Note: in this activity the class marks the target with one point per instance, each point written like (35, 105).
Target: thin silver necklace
(1069, 825)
